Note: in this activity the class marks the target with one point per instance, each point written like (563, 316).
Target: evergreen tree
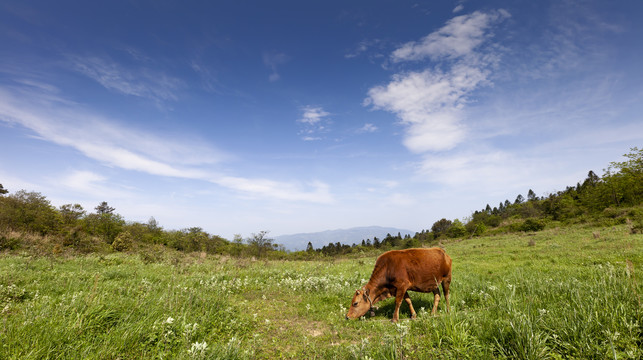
(376, 242)
(104, 209)
(531, 196)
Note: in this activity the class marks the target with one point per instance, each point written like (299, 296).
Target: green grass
(559, 293)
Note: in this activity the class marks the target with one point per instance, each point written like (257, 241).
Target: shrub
(532, 225)
(637, 228)
(456, 229)
(411, 243)
(9, 243)
(123, 242)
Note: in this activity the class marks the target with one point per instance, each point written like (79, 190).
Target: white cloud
(367, 128)
(52, 119)
(459, 37)
(140, 82)
(315, 192)
(364, 46)
(458, 8)
(314, 120)
(430, 103)
(313, 115)
(91, 184)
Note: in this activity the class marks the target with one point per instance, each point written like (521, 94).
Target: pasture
(560, 293)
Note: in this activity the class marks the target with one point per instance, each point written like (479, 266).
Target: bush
(411, 243)
(123, 242)
(532, 225)
(637, 228)
(456, 229)
(29, 211)
(9, 243)
(476, 229)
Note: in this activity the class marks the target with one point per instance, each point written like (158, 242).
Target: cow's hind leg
(445, 289)
(436, 300)
(407, 298)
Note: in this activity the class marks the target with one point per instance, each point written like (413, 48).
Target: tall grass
(569, 295)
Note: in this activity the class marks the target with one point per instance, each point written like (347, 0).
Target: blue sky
(302, 116)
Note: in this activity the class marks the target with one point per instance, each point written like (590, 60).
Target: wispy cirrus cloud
(366, 46)
(430, 102)
(51, 118)
(140, 82)
(272, 60)
(367, 128)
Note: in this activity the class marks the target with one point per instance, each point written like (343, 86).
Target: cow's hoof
(414, 316)
(372, 313)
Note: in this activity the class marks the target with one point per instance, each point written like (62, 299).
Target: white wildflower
(169, 320)
(190, 329)
(542, 311)
(198, 349)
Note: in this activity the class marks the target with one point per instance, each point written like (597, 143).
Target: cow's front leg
(398, 301)
(400, 293)
(407, 298)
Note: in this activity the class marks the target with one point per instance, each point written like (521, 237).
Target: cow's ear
(368, 292)
(357, 292)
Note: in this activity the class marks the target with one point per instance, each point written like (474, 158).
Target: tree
(456, 229)
(260, 243)
(104, 209)
(105, 223)
(626, 183)
(309, 247)
(376, 242)
(519, 199)
(237, 246)
(592, 179)
(71, 213)
(440, 227)
(29, 211)
(531, 196)
(3, 190)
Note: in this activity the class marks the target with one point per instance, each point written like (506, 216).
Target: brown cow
(398, 271)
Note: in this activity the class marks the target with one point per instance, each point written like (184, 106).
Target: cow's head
(360, 304)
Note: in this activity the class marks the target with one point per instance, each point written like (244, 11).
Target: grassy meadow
(572, 292)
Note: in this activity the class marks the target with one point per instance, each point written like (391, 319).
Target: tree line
(613, 198)
(605, 200)
(71, 226)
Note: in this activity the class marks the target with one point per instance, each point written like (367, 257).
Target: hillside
(296, 242)
(562, 293)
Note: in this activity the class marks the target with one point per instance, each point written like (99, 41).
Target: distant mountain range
(355, 235)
